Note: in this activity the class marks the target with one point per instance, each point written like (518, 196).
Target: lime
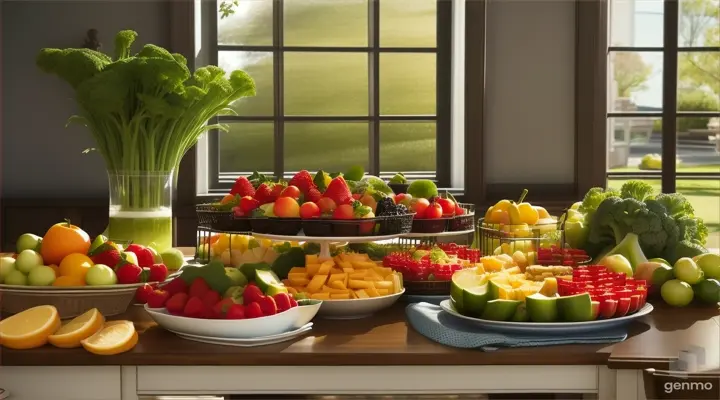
(355, 173)
(677, 293)
(422, 188)
(708, 291)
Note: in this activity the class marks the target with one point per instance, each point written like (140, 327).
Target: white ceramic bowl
(285, 321)
(357, 308)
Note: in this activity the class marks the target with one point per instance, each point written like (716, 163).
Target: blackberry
(387, 207)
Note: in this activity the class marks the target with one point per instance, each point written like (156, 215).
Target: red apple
(404, 199)
(286, 207)
(344, 211)
(419, 206)
(459, 210)
(291, 191)
(434, 211)
(327, 205)
(309, 210)
(448, 206)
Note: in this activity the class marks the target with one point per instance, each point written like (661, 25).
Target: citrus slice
(30, 328)
(81, 327)
(114, 338)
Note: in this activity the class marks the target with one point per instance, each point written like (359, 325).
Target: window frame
(218, 181)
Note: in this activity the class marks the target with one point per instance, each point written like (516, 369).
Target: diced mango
(291, 290)
(382, 292)
(337, 277)
(320, 296)
(372, 292)
(358, 284)
(312, 269)
(338, 285)
(363, 264)
(296, 275)
(361, 294)
(298, 270)
(299, 281)
(335, 270)
(325, 268)
(345, 265)
(384, 284)
(316, 283)
(358, 274)
(340, 296)
(311, 259)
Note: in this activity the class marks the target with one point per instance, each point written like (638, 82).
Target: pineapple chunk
(549, 287)
(513, 270)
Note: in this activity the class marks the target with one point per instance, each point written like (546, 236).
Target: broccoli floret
(74, 66)
(637, 190)
(123, 42)
(692, 229)
(676, 204)
(682, 249)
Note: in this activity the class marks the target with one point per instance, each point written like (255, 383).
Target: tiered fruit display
(430, 263)
(40, 325)
(344, 277)
(216, 292)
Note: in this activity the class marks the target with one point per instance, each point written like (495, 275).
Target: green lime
(422, 188)
(708, 291)
(355, 173)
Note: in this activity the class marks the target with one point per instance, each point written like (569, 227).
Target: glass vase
(141, 208)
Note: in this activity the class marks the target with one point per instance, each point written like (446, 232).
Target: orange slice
(30, 328)
(114, 338)
(82, 327)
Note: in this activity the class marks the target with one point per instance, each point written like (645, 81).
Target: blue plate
(424, 298)
(549, 328)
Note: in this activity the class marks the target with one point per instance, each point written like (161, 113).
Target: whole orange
(63, 239)
(75, 264)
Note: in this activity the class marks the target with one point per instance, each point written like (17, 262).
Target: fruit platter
(67, 270)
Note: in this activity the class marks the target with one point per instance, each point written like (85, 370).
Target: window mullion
(374, 86)
(278, 88)
(669, 101)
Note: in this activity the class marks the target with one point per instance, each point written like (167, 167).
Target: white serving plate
(262, 341)
(357, 308)
(83, 289)
(283, 322)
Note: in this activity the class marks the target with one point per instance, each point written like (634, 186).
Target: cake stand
(324, 242)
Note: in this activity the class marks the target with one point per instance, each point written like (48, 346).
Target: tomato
(291, 191)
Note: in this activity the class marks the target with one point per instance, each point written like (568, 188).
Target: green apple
(677, 293)
(709, 263)
(237, 278)
(542, 308)
(130, 257)
(41, 276)
(661, 275)
(28, 241)
(500, 309)
(16, 278)
(27, 260)
(659, 260)
(173, 258)
(100, 275)
(575, 308)
(7, 265)
(688, 271)
(618, 263)
(99, 240)
(708, 290)
(157, 258)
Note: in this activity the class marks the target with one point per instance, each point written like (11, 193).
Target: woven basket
(69, 302)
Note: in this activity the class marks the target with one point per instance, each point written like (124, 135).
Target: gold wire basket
(494, 239)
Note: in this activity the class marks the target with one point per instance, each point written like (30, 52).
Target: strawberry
(263, 194)
(144, 255)
(142, 294)
(248, 204)
(253, 310)
(106, 254)
(277, 190)
(211, 298)
(221, 308)
(158, 273)
(194, 308)
(157, 298)
(268, 306)
(176, 303)
(303, 180)
(252, 294)
(282, 300)
(236, 311)
(176, 285)
(313, 194)
(243, 187)
(339, 191)
(198, 288)
(128, 273)
(293, 303)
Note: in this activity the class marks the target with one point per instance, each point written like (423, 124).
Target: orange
(69, 281)
(227, 199)
(63, 239)
(75, 265)
(55, 268)
(114, 338)
(30, 328)
(80, 328)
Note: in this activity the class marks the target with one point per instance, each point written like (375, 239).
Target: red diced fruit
(142, 294)
(634, 303)
(235, 311)
(158, 273)
(248, 204)
(128, 273)
(326, 205)
(157, 298)
(221, 308)
(459, 210)
(447, 205)
(198, 288)
(282, 300)
(253, 310)
(211, 298)
(176, 285)
(268, 306)
(344, 211)
(293, 303)
(194, 308)
(291, 191)
(434, 211)
(144, 255)
(176, 303)
(286, 207)
(252, 294)
(623, 307)
(309, 210)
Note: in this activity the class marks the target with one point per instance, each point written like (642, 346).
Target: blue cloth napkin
(432, 322)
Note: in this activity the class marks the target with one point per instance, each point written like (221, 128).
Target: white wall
(530, 84)
(40, 158)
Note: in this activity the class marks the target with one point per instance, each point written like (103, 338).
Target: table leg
(629, 385)
(128, 383)
(607, 386)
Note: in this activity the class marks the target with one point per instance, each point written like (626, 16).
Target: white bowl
(285, 321)
(357, 308)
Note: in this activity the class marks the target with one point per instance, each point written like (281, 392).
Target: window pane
(698, 145)
(699, 23)
(699, 72)
(259, 65)
(248, 146)
(250, 24)
(408, 23)
(328, 146)
(326, 84)
(407, 146)
(634, 144)
(635, 81)
(636, 23)
(407, 84)
(704, 195)
(326, 23)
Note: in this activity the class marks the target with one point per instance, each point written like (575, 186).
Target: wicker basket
(69, 302)
(209, 217)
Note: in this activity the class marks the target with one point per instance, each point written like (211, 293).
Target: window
(664, 99)
(339, 83)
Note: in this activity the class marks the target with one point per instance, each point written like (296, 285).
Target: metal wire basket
(207, 236)
(508, 239)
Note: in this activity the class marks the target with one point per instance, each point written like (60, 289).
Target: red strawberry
(142, 294)
(158, 298)
(106, 254)
(211, 298)
(303, 180)
(253, 310)
(176, 303)
(243, 187)
(268, 306)
(293, 302)
(144, 255)
(248, 204)
(283, 302)
(277, 190)
(158, 273)
(194, 308)
(221, 308)
(128, 273)
(252, 294)
(236, 311)
(176, 285)
(313, 194)
(339, 191)
(198, 288)
(263, 194)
